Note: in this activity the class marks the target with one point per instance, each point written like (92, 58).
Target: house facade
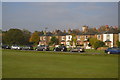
(63, 40)
(44, 40)
(68, 40)
(110, 39)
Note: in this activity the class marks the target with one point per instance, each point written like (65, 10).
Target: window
(69, 37)
(50, 37)
(63, 38)
(86, 37)
(98, 37)
(78, 37)
(44, 38)
(108, 37)
(40, 38)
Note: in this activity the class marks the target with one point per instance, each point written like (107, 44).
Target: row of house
(109, 38)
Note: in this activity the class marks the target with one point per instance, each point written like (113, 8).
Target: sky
(58, 15)
(59, 0)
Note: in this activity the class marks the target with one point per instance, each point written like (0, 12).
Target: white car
(16, 47)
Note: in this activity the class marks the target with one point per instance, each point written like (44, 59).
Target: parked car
(77, 49)
(16, 47)
(113, 50)
(5, 47)
(27, 48)
(60, 48)
(42, 48)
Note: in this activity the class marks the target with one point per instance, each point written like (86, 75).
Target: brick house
(99, 36)
(63, 39)
(45, 39)
(109, 38)
(83, 39)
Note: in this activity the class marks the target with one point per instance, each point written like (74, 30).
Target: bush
(118, 43)
(99, 44)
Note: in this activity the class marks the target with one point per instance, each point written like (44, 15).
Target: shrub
(118, 43)
(98, 44)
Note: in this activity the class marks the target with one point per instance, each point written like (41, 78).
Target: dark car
(60, 48)
(6, 47)
(77, 49)
(113, 50)
(42, 48)
(27, 48)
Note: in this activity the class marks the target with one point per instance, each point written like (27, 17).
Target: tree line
(17, 37)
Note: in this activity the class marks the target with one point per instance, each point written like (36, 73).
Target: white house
(68, 40)
(108, 39)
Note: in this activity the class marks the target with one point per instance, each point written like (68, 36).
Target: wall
(105, 38)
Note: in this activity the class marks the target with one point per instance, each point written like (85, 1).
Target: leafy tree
(99, 44)
(27, 35)
(92, 30)
(119, 29)
(3, 36)
(54, 41)
(75, 31)
(34, 37)
(74, 40)
(102, 28)
(13, 36)
(93, 41)
(118, 43)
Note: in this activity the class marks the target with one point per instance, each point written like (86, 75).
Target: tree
(13, 36)
(92, 30)
(74, 40)
(118, 43)
(54, 41)
(102, 28)
(27, 35)
(99, 44)
(93, 41)
(34, 37)
(75, 31)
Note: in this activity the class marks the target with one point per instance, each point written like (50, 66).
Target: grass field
(38, 64)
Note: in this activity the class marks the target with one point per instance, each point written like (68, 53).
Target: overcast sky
(58, 15)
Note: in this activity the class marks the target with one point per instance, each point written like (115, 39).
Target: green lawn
(38, 64)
